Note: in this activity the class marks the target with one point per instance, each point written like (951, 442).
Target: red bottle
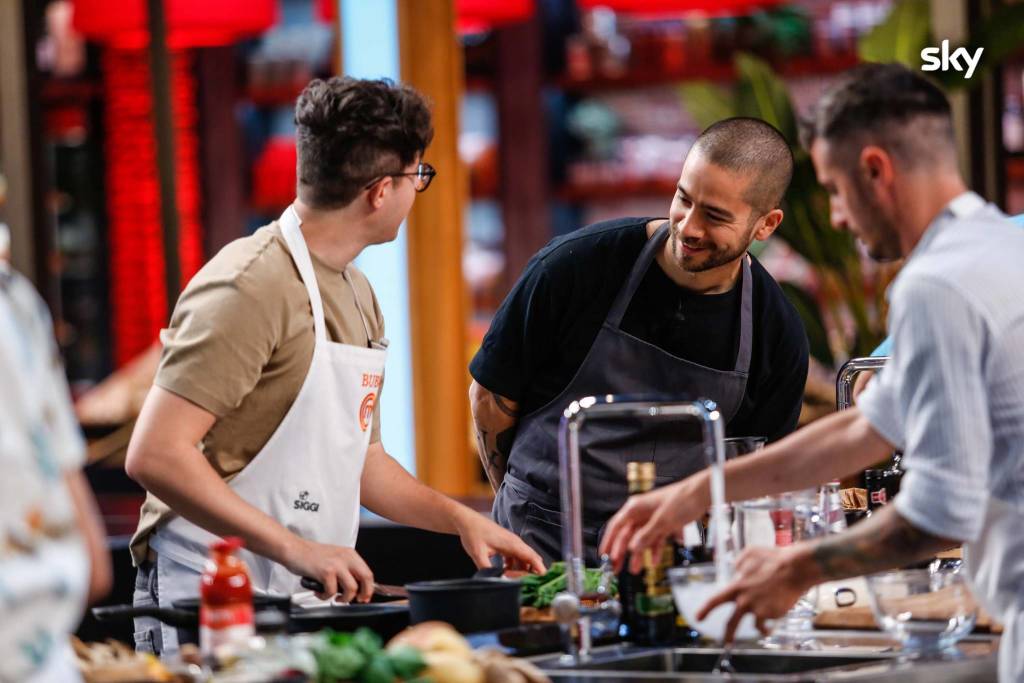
(225, 594)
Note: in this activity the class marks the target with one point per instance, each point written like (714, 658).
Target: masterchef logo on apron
(366, 410)
(370, 381)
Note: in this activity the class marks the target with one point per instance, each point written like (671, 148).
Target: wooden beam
(15, 160)
(431, 62)
(221, 149)
(163, 127)
(522, 144)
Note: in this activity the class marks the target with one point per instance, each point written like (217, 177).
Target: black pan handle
(496, 569)
(311, 584)
(178, 618)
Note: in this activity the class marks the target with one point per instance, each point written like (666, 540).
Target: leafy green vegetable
(335, 663)
(540, 590)
(367, 642)
(360, 656)
(379, 670)
(407, 661)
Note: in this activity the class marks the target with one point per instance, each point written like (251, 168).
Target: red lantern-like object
(138, 295)
(471, 16)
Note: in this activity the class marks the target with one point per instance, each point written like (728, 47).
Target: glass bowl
(927, 610)
(692, 587)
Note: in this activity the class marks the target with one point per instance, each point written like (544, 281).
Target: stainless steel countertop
(844, 656)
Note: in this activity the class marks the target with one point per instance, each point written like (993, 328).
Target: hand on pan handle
(337, 570)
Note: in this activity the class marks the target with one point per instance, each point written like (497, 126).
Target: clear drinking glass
(776, 521)
(927, 610)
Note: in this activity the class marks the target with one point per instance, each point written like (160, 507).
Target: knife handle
(312, 584)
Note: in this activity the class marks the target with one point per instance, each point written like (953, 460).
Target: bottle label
(879, 497)
(652, 605)
(783, 523)
(224, 625)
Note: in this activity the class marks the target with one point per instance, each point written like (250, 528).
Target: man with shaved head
(643, 305)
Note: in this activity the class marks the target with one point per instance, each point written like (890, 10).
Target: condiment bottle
(649, 613)
(225, 594)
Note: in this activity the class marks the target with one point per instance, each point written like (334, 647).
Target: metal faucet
(847, 373)
(566, 606)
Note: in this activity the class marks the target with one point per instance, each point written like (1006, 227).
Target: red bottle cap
(228, 544)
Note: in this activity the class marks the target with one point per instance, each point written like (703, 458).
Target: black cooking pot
(386, 619)
(470, 605)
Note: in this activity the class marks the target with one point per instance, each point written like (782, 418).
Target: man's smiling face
(711, 220)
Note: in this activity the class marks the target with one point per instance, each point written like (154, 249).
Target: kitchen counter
(844, 656)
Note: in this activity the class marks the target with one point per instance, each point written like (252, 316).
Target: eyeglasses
(421, 177)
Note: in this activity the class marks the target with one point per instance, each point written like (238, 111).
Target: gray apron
(527, 502)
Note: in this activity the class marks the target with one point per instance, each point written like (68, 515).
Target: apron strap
(300, 254)
(746, 319)
(636, 276)
(359, 307)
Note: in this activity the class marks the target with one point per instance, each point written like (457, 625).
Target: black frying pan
(385, 619)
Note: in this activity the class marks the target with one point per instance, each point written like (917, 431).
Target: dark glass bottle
(648, 611)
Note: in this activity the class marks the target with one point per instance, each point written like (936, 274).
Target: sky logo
(941, 59)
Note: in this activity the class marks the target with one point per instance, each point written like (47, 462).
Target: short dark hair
(876, 104)
(755, 148)
(350, 131)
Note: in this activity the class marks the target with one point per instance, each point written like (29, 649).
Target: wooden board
(535, 615)
(860, 617)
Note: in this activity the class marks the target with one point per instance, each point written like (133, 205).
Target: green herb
(360, 656)
(540, 590)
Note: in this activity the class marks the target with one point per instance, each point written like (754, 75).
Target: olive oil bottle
(648, 612)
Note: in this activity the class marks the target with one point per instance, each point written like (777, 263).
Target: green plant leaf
(1001, 34)
(901, 36)
(810, 314)
(760, 93)
(707, 102)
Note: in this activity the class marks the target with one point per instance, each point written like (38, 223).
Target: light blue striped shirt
(952, 397)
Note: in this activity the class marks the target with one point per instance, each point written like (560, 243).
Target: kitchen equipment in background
(470, 605)
(385, 619)
(928, 610)
(571, 614)
(776, 521)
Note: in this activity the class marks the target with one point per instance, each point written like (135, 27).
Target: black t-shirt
(544, 328)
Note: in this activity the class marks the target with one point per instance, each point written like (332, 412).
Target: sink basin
(861, 659)
(703, 660)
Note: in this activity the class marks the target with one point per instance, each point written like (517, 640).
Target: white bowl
(927, 611)
(692, 587)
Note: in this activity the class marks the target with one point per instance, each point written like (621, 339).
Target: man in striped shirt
(951, 398)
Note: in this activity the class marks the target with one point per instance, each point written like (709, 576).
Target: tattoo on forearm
(883, 542)
(504, 406)
(494, 453)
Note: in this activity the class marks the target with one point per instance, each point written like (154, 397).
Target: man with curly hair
(261, 422)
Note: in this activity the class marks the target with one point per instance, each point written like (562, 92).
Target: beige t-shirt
(240, 344)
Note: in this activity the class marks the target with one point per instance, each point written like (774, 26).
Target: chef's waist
(596, 511)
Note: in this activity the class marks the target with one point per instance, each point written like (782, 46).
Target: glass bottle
(649, 613)
(225, 594)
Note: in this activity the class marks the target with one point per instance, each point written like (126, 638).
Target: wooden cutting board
(536, 615)
(860, 617)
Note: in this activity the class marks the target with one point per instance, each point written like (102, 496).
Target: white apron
(307, 475)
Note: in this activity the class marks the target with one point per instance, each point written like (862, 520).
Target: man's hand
(340, 570)
(767, 582)
(646, 520)
(483, 539)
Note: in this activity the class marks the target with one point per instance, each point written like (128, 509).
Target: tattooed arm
(769, 581)
(883, 541)
(494, 419)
